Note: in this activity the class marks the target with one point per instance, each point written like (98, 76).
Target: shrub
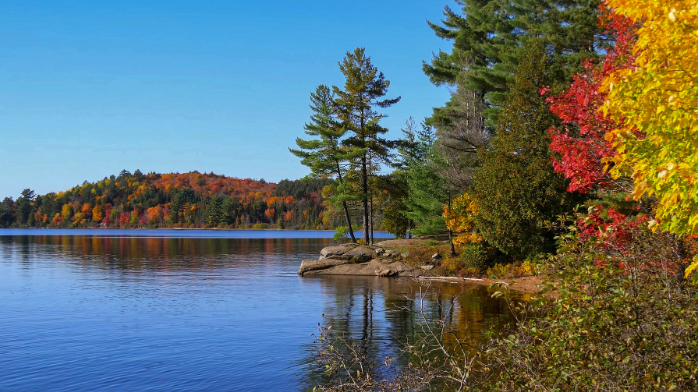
(473, 256)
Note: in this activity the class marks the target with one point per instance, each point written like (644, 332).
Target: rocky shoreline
(358, 260)
(380, 260)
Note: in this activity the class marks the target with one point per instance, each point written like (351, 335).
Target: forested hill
(192, 200)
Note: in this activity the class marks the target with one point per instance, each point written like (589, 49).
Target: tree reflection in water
(382, 317)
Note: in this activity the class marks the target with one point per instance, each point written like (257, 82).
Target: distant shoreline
(157, 228)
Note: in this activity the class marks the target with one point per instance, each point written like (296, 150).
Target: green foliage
(474, 255)
(614, 327)
(324, 155)
(395, 189)
(300, 189)
(341, 233)
(427, 190)
(517, 191)
(426, 201)
(487, 36)
(356, 108)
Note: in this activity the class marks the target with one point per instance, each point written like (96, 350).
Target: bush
(517, 194)
(625, 318)
(473, 256)
(526, 268)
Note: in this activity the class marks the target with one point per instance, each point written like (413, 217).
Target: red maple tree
(580, 147)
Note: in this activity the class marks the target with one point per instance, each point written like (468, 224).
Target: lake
(195, 310)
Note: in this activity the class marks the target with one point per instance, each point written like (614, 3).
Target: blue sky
(93, 87)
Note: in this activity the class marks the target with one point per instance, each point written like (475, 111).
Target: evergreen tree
(461, 134)
(488, 34)
(428, 192)
(24, 207)
(7, 208)
(355, 107)
(215, 214)
(517, 190)
(325, 156)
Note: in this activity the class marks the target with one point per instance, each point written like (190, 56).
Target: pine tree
(488, 34)
(427, 193)
(460, 137)
(325, 156)
(355, 107)
(517, 190)
(215, 214)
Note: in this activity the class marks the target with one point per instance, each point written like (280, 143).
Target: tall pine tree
(356, 107)
(488, 34)
(325, 156)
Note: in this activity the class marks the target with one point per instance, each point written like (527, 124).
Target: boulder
(427, 267)
(392, 253)
(379, 251)
(436, 257)
(337, 252)
(315, 265)
(359, 254)
(370, 268)
(386, 272)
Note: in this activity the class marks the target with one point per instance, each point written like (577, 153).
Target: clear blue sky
(93, 87)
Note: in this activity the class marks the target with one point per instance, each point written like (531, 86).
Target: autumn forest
(187, 200)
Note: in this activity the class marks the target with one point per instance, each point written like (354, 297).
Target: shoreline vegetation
(568, 153)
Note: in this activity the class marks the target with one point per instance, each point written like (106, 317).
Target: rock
(386, 272)
(358, 260)
(359, 254)
(436, 257)
(337, 252)
(314, 265)
(391, 253)
(344, 267)
(427, 267)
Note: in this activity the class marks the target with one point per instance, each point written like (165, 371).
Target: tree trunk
(347, 219)
(449, 231)
(345, 206)
(371, 220)
(365, 207)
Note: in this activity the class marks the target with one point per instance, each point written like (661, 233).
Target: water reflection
(106, 312)
(383, 315)
(154, 252)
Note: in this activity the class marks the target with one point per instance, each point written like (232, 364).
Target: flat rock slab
(375, 267)
(337, 250)
(350, 252)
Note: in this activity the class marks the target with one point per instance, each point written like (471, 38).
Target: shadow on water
(382, 316)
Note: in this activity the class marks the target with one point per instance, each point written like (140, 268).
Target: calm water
(167, 310)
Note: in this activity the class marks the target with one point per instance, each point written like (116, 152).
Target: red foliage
(581, 153)
(210, 184)
(610, 228)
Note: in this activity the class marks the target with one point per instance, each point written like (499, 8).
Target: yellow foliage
(97, 213)
(66, 211)
(657, 103)
(460, 219)
(526, 268)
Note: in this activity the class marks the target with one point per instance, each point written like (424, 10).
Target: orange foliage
(155, 214)
(96, 213)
